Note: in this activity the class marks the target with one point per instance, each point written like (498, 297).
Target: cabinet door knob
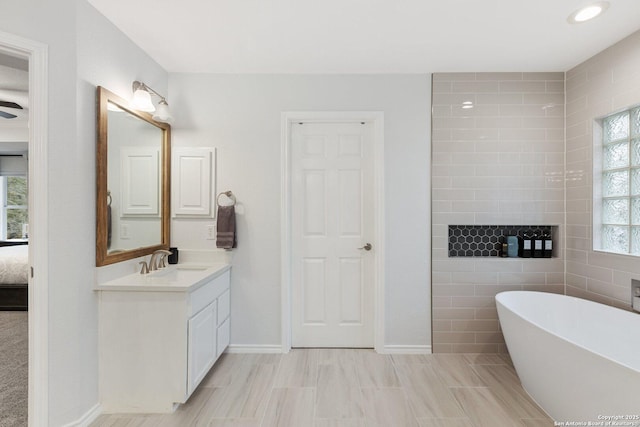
(367, 247)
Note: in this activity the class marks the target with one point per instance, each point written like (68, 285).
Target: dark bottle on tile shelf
(524, 245)
(538, 246)
(547, 252)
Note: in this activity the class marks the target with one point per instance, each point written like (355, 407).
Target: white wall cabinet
(156, 346)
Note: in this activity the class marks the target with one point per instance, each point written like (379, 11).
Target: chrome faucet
(162, 254)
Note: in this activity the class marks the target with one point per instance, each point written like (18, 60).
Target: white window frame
(3, 204)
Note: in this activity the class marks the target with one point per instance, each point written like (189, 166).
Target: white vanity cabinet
(158, 339)
(208, 328)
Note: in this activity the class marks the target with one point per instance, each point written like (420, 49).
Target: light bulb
(142, 101)
(162, 113)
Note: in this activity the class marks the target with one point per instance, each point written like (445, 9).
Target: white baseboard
(248, 348)
(274, 348)
(89, 417)
(407, 349)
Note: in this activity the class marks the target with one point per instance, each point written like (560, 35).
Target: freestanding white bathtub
(579, 360)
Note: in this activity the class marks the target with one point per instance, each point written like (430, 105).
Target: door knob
(367, 247)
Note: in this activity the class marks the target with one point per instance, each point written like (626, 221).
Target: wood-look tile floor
(352, 388)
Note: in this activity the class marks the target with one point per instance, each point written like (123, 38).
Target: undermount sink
(174, 273)
(194, 267)
(164, 273)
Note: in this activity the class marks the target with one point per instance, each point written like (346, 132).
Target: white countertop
(184, 277)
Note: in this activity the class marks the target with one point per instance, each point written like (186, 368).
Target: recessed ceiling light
(588, 12)
(467, 105)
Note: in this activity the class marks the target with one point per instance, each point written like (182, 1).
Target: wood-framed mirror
(133, 164)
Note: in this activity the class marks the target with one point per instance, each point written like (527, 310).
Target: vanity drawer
(224, 306)
(204, 295)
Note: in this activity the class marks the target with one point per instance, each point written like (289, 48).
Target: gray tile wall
(501, 162)
(605, 83)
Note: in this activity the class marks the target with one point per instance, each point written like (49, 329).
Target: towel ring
(229, 194)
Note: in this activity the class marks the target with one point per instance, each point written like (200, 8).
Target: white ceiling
(367, 36)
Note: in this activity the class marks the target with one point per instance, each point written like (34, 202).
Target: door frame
(287, 120)
(38, 293)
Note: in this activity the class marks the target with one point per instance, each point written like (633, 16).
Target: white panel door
(332, 220)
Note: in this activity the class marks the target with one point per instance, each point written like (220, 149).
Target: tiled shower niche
(486, 240)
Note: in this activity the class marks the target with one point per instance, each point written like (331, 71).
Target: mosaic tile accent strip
(486, 240)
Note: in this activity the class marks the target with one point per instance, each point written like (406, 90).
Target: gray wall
(240, 115)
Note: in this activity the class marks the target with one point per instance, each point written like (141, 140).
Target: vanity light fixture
(588, 12)
(142, 101)
(162, 113)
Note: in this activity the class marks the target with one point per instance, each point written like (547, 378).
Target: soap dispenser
(548, 245)
(538, 246)
(524, 245)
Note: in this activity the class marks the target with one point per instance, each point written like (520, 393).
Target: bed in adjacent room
(14, 277)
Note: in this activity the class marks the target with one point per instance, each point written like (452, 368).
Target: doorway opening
(35, 55)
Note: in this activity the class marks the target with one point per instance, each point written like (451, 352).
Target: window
(15, 215)
(617, 209)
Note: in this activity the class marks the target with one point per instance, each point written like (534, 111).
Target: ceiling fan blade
(9, 104)
(6, 115)
(16, 96)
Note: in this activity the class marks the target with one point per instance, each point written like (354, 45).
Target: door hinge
(31, 272)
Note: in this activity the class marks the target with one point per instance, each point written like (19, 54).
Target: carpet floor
(14, 368)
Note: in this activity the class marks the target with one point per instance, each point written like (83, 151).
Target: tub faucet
(161, 253)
